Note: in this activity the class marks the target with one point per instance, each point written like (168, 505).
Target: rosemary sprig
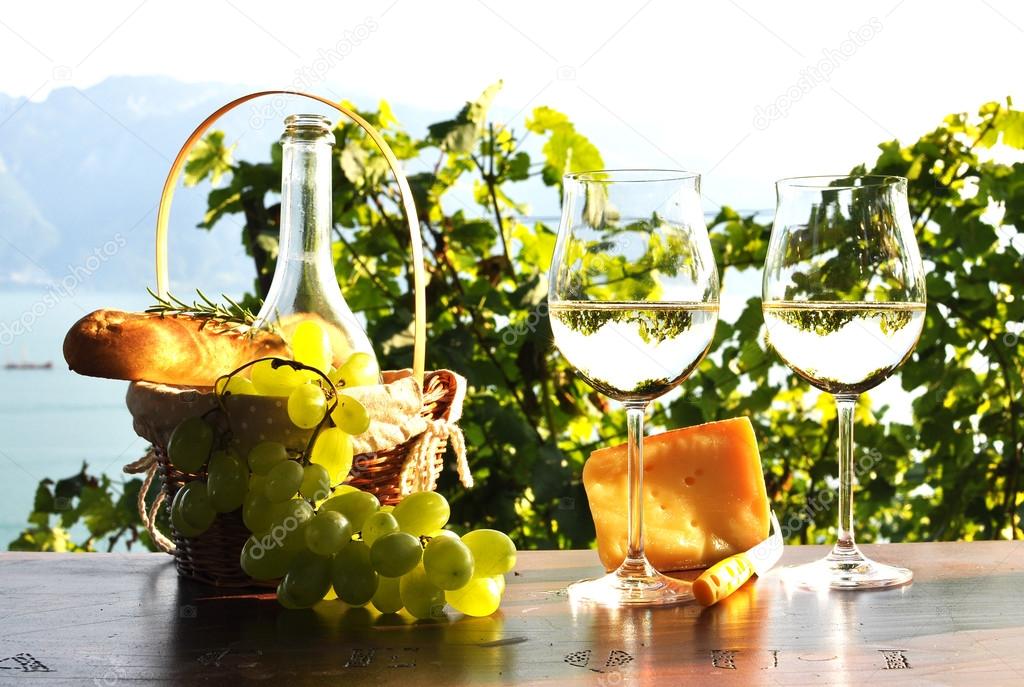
(232, 316)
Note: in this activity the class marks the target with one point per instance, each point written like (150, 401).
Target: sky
(743, 92)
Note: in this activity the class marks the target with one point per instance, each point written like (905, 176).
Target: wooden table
(112, 619)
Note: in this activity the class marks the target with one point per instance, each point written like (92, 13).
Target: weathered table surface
(110, 619)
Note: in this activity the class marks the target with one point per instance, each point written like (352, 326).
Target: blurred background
(96, 99)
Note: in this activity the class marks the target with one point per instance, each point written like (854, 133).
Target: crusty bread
(166, 349)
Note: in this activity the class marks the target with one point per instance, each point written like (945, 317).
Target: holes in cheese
(704, 496)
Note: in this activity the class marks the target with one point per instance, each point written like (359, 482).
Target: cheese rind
(704, 496)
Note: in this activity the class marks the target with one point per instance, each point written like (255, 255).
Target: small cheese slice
(704, 496)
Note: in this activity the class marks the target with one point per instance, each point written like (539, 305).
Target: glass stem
(635, 559)
(845, 408)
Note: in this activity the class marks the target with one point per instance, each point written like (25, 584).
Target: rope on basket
(419, 473)
(147, 464)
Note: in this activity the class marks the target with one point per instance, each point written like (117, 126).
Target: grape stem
(329, 390)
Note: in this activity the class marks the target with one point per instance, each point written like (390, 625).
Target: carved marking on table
(396, 657)
(723, 658)
(775, 659)
(580, 659)
(26, 663)
(398, 662)
(895, 659)
(212, 658)
(617, 658)
(360, 658)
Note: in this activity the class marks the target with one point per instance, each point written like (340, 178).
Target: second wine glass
(844, 304)
(633, 302)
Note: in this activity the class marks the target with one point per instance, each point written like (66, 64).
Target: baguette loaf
(166, 349)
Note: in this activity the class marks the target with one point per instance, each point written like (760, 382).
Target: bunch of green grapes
(389, 557)
(311, 531)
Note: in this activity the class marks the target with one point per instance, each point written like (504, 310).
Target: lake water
(53, 420)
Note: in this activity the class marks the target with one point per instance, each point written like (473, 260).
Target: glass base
(635, 583)
(848, 568)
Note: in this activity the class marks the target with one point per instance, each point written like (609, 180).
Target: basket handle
(416, 241)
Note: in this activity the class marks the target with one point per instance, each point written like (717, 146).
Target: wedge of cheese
(704, 496)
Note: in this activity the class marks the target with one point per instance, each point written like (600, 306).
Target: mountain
(27, 234)
(81, 173)
(80, 177)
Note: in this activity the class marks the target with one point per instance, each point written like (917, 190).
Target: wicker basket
(389, 472)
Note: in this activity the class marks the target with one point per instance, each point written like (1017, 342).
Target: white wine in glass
(633, 304)
(844, 306)
(663, 342)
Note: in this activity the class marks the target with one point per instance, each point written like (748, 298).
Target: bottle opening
(307, 127)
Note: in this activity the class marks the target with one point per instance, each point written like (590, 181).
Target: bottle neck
(305, 286)
(306, 217)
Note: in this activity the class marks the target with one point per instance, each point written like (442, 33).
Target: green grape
(265, 455)
(227, 481)
(493, 552)
(355, 581)
(359, 370)
(256, 511)
(377, 525)
(448, 563)
(388, 598)
(356, 506)
(500, 581)
(308, 579)
(422, 598)
(262, 562)
(311, 346)
(283, 481)
(327, 533)
(278, 381)
(480, 597)
(190, 444)
(441, 533)
(178, 522)
(286, 601)
(316, 482)
(350, 415)
(236, 386)
(307, 406)
(395, 554)
(333, 450)
(422, 512)
(290, 519)
(195, 505)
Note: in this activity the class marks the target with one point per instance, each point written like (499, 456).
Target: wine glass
(844, 305)
(633, 304)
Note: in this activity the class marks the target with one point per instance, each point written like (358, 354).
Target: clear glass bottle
(305, 286)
